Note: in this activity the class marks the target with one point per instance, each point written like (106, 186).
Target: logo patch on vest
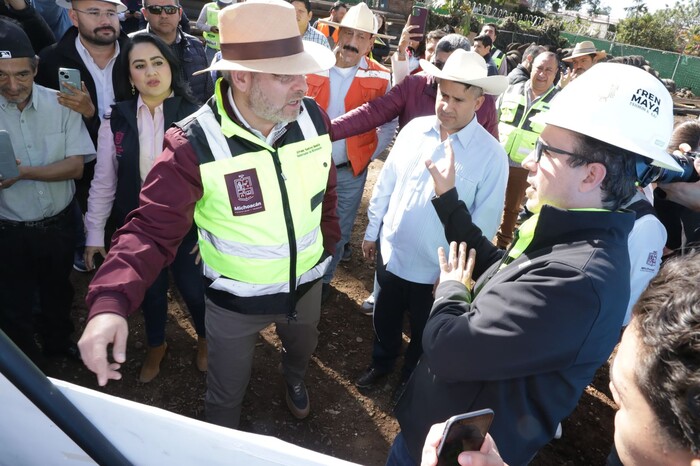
(244, 192)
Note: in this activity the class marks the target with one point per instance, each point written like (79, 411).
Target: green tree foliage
(674, 29)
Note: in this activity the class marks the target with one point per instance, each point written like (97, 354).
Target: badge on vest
(244, 192)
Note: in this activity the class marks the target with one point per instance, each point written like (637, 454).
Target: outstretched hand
(443, 177)
(102, 330)
(457, 266)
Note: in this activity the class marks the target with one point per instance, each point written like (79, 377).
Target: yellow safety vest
(260, 212)
(517, 132)
(212, 38)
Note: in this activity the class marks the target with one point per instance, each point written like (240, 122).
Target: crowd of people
(237, 163)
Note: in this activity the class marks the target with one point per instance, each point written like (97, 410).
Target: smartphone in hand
(70, 76)
(8, 164)
(464, 432)
(419, 17)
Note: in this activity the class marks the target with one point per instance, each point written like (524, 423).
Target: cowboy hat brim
(493, 85)
(314, 58)
(121, 8)
(338, 25)
(598, 55)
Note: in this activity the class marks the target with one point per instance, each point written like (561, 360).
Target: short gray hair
(452, 42)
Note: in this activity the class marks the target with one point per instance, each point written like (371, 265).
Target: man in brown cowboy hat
(354, 80)
(583, 56)
(253, 169)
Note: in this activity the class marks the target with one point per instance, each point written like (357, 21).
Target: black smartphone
(464, 432)
(8, 164)
(419, 17)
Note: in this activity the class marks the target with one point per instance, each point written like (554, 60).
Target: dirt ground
(344, 423)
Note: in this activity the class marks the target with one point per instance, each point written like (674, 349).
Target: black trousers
(37, 259)
(397, 296)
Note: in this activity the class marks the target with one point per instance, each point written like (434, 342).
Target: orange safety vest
(368, 84)
(325, 29)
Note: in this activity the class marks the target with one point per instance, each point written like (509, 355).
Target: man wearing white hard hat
(354, 80)
(404, 232)
(546, 314)
(582, 58)
(253, 169)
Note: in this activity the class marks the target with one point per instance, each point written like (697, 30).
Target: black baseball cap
(14, 42)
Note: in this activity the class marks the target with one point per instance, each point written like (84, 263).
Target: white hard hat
(621, 105)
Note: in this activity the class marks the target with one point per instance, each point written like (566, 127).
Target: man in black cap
(37, 234)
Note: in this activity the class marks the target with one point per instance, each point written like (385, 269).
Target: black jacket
(534, 335)
(126, 141)
(64, 54)
(520, 74)
(40, 34)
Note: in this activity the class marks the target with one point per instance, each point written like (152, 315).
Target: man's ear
(479, 102)
(73, 15)
(242, 80)
(595, 174)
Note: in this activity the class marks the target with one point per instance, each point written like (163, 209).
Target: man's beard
(96, 39)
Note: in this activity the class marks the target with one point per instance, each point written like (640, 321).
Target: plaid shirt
(313, 35)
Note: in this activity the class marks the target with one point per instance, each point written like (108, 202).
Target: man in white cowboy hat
(404, 232)
(582, 58)
(253, 169)
(545, 315)
(354, 80)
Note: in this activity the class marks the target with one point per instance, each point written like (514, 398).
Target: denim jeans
(189, 281)
(349, 189)
(398, 454)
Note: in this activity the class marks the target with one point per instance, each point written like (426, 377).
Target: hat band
(263, 49)
(585, 51)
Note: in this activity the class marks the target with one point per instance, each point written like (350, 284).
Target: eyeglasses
(96, 14)
(168, 9)
(540, 147)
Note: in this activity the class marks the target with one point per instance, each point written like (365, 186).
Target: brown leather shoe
(201, 359)
(151, 365)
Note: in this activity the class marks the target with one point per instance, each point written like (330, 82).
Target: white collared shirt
(103, 77)
(400, 211)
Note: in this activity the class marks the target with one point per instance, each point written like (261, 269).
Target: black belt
(43, 223)
(343, 165)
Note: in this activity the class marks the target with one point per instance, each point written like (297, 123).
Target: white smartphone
(70, 76)
(464, 432)
(8, 164)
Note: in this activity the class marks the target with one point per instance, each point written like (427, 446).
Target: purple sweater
(413, 97)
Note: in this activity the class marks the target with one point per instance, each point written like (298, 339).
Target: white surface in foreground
(144, 434)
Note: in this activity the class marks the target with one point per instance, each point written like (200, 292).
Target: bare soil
(344, 423)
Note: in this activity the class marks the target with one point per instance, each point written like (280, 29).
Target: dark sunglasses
(168, 9)
(540, 147)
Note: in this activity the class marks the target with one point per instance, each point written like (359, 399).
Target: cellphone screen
(464, 435)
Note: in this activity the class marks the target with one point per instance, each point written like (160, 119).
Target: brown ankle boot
(201, 359)
(151, 365)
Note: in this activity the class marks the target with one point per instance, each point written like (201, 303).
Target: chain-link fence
(683, 69)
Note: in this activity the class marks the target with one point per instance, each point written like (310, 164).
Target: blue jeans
(349, 191)
(398, 454)
(188, 279)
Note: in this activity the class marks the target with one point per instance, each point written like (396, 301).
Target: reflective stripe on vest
(212, 38)
(497, 56)
(243, 234)
(517, 132)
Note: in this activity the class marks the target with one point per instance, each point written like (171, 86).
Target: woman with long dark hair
(150, 97)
